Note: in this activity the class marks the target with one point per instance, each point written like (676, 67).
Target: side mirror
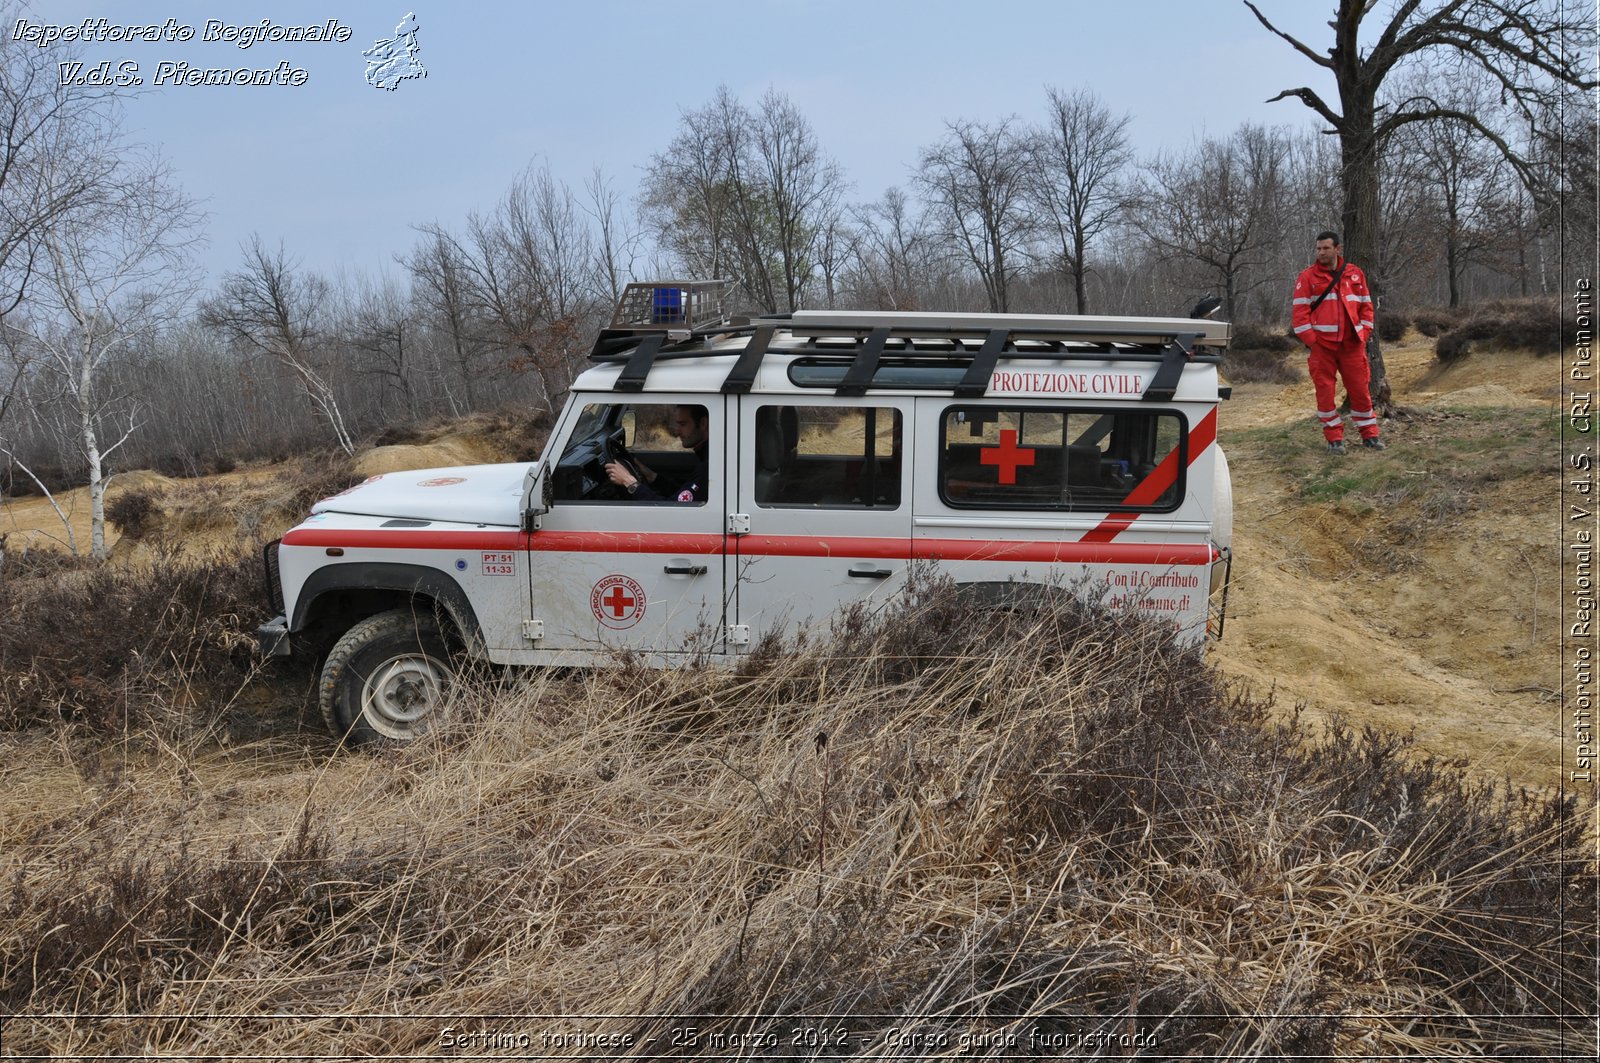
(1206, 307)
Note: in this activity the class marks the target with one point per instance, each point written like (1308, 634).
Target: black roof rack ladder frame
(865, 366)
(742, 377)
(633, 374)
(1179, 353)
(975, 382)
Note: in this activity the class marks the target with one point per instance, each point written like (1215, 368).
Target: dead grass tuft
(111, 647)
(1036, 822)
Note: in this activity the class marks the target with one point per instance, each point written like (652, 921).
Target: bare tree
(616, 246)
(889, 253)
(441, 281)
(271, 308)
(378, 328)
(1075, 178)
(58, 150)
(1530, 48)
(799, 186)
(112, 274)
(1222, 205)
(746, 194)
(975, 182)
(687, 198)
(1470, 189)
(531, 269)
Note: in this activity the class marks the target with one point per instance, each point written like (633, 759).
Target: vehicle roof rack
(656, 306)
(861, 341)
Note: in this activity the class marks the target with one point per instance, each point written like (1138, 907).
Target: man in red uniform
(1333, 317)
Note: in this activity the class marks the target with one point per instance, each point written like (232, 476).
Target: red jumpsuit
(1337, 334)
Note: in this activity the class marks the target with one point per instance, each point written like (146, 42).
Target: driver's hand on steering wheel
(622, 474)
(618, 474)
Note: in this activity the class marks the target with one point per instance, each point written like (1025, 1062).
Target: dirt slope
(1458, 644)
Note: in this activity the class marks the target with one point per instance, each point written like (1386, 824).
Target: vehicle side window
(1061, 458)
(645, 437)
(831, 457)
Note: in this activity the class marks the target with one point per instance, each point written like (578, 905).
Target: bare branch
(1313, 101)
(1320, 60)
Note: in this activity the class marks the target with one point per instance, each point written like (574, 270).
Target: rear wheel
(386, 678)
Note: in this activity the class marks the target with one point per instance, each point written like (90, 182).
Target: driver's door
(609, 571)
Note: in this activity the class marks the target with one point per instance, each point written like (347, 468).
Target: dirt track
(1460, 645)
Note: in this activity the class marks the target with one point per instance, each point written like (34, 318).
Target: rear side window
(1056, 458)
(829, 457)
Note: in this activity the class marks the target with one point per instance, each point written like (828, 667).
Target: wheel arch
(335, 597)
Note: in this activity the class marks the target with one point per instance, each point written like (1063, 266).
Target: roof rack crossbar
(865, 366)
(976, 380)
(633, 374)
(743, 374)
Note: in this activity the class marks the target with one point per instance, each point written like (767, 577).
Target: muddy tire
(386, 678)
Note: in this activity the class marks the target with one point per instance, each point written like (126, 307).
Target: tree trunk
(1359, 183)
(1079, 272)
(97, 489)
(1452, 269)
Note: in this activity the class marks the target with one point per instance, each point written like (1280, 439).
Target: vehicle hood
(464, 494)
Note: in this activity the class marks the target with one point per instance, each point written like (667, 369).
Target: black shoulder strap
(1336, 275)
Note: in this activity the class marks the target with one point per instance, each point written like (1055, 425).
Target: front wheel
(386, 678)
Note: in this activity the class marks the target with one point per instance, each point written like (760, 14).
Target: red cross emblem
(617, 602)
(1007, 456)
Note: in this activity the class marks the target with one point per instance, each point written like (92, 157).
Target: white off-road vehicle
(779, 469)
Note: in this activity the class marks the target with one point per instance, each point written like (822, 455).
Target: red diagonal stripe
(1155, 485)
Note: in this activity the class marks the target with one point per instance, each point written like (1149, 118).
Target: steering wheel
(614, 449)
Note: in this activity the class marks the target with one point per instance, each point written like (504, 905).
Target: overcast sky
(340, 171)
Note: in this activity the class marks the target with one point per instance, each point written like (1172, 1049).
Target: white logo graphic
(393, 61)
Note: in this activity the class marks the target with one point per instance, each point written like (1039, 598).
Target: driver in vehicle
(692, 426)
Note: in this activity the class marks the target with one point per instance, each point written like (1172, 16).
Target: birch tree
(272, 308)
(58, 151)
(111, 275)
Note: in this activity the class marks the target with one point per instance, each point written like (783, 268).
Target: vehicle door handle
(861, 572)
(684, 570)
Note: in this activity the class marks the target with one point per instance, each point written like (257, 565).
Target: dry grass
(1041, 823)
(109, 648)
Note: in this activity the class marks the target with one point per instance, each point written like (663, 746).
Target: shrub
(1392, 325)
(110, 646)
(1432, 321)
(178, 466)
(399, 434)
(1262, 353)
(317, 476)
(134, 514)
(965, 821)
(18, 484)
(1253, 365)
(1263, 338)
(1532, 325)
